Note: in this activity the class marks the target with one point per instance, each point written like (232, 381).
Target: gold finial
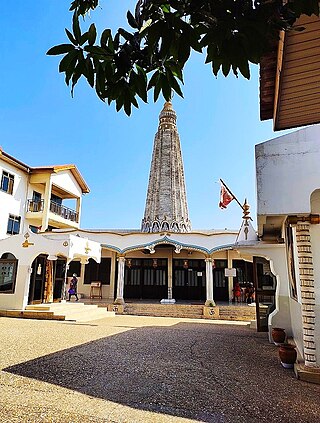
(246, 210)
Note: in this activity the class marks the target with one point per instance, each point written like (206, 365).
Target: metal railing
(34, 205)
(63, 211)
(58, 209)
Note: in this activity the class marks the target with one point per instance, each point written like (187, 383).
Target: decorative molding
(306, 273)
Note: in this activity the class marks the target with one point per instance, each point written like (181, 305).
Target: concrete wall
(287, 172)
(66, 181)
(12, 204)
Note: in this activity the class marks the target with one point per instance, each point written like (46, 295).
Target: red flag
(225, 197)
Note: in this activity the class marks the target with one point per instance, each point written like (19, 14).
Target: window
(55, 199)
(7, 181)
(98, 271)
(8, 272)
(13, 225)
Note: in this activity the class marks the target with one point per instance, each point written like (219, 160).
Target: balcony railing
(34, 206)
(58, 209)
(63, 211)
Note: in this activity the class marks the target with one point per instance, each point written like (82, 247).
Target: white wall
(288, 171)
(13, 204)
(66, 181)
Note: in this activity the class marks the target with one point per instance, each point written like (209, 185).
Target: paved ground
(132, 369)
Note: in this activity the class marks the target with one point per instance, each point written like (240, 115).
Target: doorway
(265, 284)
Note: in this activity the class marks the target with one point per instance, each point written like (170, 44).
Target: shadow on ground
(209, 373)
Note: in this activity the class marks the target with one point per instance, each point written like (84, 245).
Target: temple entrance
(146, 279)
(37, 280)
(189, 280)
(220, 282)
(44, 273)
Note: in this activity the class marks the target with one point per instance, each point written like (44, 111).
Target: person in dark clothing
(73, 287)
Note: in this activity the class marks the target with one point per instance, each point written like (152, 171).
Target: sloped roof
(290, 78)
(51, 169)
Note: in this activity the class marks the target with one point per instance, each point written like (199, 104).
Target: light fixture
(155, 263)
(185, 264)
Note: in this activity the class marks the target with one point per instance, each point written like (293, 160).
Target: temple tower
(166, 204)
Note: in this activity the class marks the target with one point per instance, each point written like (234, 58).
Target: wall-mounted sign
(231, 271)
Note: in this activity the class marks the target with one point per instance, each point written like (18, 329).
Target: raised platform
(76, 312)
(192, 311)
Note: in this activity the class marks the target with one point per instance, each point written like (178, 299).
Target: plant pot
(288, 355)
(278, 336)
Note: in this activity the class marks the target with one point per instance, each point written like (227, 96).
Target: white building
(168, 260)
(40, 198)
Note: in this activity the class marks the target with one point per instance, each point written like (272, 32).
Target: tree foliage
(124, 66)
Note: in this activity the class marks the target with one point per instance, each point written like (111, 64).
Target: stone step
(78, 312)
(32, 314)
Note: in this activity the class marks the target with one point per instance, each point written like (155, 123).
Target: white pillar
(46, 205)
(230, 278)
(209, 282)
(169, 300)
(120, 286)
(112, 276)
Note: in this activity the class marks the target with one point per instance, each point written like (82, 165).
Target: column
(46, 205)
(78, 208)
(306, 274)
(65, 282)
(120, 286)
(112, 276)
(209, 282)
(169, 300)
(230, 278)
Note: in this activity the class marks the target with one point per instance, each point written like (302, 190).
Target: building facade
(39, 198)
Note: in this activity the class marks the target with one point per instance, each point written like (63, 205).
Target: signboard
(231, 271)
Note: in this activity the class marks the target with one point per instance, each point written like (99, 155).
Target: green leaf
(131, 20)
(68, 60)
(145, 26)
(166, 88)
(97, 50)
(60, 49)
(92, 34)
(126, 35)
(71, 37)
(76, 27)
(90, 72)
(84, 38)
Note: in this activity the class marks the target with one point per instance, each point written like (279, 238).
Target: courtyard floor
(146, 369)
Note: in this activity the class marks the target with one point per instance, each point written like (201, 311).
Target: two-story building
(33, 261)
(39, 198)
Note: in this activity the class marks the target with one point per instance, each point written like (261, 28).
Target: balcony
(57, 209)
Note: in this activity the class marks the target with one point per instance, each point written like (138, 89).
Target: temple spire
(166, 204)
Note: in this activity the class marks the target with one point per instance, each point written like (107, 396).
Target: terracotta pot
(288, 355)
(278, 336)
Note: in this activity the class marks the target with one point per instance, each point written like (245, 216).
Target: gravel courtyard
(145, 369)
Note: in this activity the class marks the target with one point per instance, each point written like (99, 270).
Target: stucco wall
(12, 204)
(66, 181)
(288, 171)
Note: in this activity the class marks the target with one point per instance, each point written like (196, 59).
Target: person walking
(73, 287)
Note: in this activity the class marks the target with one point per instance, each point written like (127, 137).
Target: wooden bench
(96, 289)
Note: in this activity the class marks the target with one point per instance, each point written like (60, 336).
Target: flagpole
(231, 193)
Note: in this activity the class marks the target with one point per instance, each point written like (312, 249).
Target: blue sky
(218, 122)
